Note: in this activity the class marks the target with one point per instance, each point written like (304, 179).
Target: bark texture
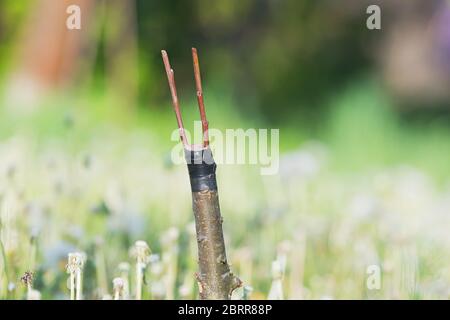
(216, 281)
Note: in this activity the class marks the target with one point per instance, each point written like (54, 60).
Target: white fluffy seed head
(277, 270)
(11, 286)
(157, 268)
(284, 247)
(154, 258)
(75, 262)
(118, 283)
(184, 291)
(170, 237)
(141, 251)
(173, 234)
(158, 290)
(33, 295)
(124, 267)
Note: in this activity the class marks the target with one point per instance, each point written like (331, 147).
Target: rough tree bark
(216, 281)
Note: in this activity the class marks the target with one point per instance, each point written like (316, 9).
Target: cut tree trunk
(216, 281)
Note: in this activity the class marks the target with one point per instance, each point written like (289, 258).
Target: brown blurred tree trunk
(51, 57)
(48, 53)
(50, 49)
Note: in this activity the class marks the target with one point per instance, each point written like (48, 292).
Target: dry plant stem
(79, 290)
(124, 268)
(141, 252)
(72, 286)
(139, 276)
(74, 268)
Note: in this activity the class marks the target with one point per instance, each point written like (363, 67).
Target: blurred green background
(310, 68)
(352, 104)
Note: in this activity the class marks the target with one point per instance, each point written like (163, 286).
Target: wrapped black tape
(202, 169)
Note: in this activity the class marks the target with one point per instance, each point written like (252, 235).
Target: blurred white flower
(305, 163)
(363, 206)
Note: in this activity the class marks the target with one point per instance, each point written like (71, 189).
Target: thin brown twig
(201, 105)
(173, 91)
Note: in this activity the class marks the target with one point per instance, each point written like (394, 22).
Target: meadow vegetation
(86, 177)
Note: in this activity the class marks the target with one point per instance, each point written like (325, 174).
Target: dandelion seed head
(75, 262)
(118, 284)
(27, 278)
(154, 258)
(141, 251)
(11, 286)
(33, 295)
(305, 163)
(158, 290)
(157, 268)
(170, 236)
(277, 270)
(184, 290)
(124, 267)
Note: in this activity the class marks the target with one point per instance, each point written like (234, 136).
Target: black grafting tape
(202, 169)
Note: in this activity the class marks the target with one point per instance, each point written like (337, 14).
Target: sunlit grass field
(88, 174)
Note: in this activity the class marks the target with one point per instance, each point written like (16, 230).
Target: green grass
(377, 197)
